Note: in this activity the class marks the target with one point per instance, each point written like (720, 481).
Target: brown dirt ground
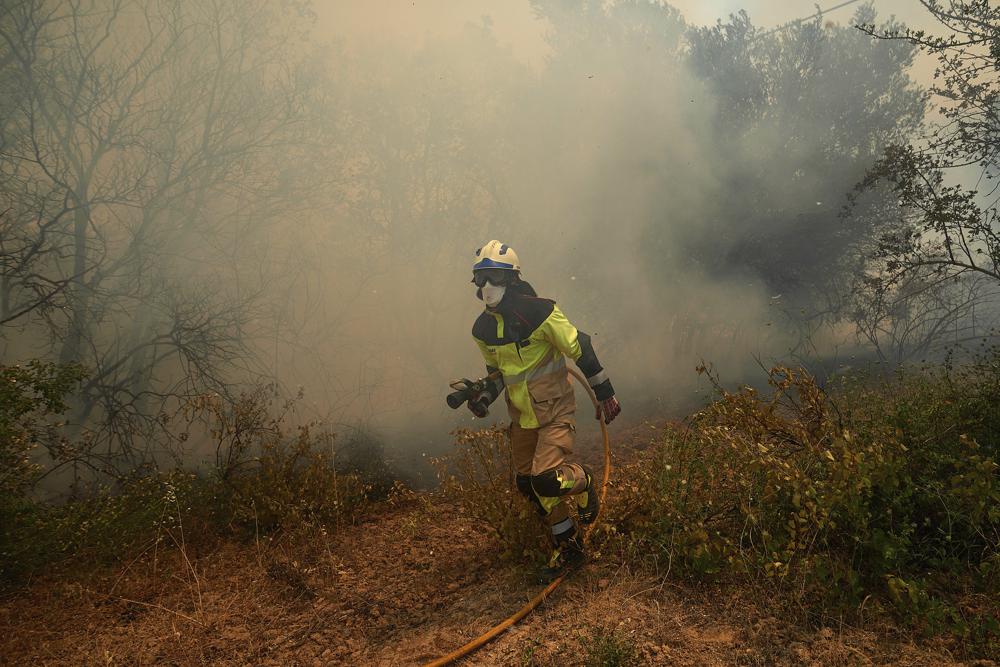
(413, 582)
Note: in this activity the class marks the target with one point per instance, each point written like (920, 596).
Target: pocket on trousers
(543, 410)
(551, 398)
(549, 388)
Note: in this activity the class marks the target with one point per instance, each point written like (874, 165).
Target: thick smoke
(579, 134)
(676, 190)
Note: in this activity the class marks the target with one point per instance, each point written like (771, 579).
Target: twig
(162, 608)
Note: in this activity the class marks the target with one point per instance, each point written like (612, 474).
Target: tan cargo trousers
(540, 454)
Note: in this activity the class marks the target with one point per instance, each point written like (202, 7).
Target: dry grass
(413, 582)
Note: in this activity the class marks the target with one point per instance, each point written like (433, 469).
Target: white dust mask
(493, 294)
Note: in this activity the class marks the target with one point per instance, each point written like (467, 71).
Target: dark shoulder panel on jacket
(485, 329)
(534, 310)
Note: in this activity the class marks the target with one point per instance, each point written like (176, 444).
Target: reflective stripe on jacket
(528, 340)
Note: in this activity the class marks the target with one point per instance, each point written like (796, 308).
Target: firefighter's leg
(553, 487)
(554, 479)
(522, 443)
(556, 440)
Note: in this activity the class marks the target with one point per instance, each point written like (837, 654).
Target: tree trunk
(78, 291)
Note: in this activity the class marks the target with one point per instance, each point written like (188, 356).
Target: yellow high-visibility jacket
(528, 339)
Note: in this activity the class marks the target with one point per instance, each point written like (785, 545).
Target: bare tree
(143, 159)
(33, 216)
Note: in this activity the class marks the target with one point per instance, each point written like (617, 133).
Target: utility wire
(821, 12)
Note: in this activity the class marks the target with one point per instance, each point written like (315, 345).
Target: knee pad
(547, 484)
(524, 486)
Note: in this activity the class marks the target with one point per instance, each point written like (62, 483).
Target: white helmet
(496, 255)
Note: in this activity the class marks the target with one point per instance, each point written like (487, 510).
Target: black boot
(567, 556)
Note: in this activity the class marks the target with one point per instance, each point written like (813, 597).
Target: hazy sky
(413, 22)
(769, 12)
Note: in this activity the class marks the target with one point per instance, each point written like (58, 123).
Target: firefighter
(527, 338)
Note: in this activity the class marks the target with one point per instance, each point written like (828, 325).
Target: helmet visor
(494, 276)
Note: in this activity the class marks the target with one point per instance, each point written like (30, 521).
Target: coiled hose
(503, 626)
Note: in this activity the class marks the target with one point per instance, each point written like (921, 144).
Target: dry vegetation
(853, 525)
(877, 499)
(412, 581)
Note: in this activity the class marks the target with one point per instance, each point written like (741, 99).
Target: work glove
(610, 409)
(479, 404)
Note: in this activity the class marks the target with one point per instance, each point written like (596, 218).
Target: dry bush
(479, 474)
(293, 482)
(362, 455)
(271, 477)
(885, 495)
(266, 477)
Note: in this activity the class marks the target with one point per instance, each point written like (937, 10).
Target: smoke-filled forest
(724, 278)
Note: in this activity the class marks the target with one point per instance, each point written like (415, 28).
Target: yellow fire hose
(502, 627)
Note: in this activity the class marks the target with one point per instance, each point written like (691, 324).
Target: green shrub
(29, 396)
(610, 649)
(104, 525)
(884, 488)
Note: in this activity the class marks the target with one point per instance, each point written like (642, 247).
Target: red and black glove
(608, 409)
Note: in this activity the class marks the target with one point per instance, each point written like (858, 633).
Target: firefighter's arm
(495, 386)
(577, 346)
